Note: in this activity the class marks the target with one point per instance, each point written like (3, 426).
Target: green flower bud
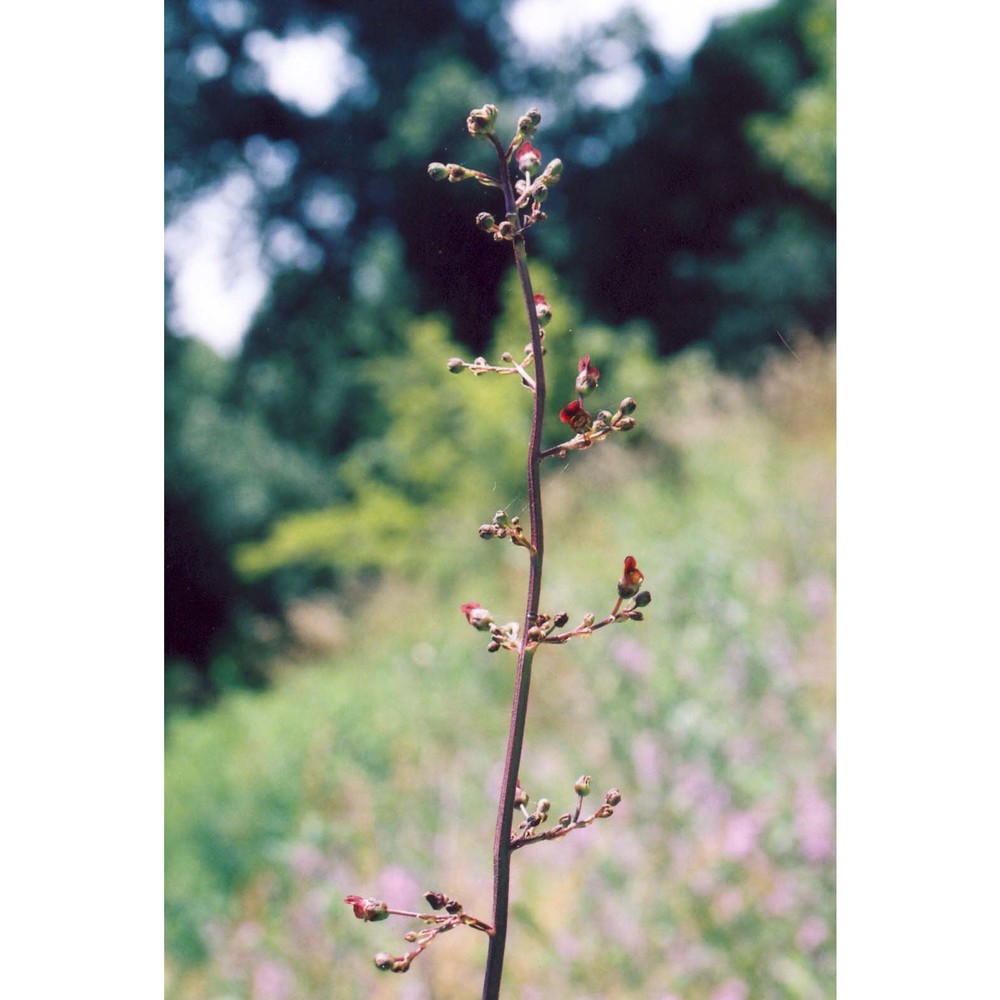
(613, 797)
(384, 961)
(528, 122)
(544, 805)
(438, 171)
(455, 364)
(552, 172)
(627, 406)
(643, 598)
(582, 786)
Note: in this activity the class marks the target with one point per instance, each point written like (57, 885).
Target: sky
(213, 250)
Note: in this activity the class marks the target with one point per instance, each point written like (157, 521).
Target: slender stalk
(522, 682)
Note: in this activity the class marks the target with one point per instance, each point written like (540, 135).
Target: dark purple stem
(522, 682)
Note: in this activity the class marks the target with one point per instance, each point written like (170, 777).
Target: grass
(374, 770)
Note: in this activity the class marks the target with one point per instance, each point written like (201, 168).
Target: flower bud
(542, 309)
(456, 173)
(613, 797)
(587, 377)
(455, 364)
(437, 171)
(368, 909)
(560, 619)
(539, 192)
(481, 121)
(435, 900)
(565, 819)
(486, 222)
(544, 805)
(552, 172)
(636, 616)
(582, 786)
(631, 581)
(477, 616)
(505, 230)
(486, 531)
(626, 424)
(627, 406)
(528, 122)
(384, 961)
(643, 598)
(521, 797)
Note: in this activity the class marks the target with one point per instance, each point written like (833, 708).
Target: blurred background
(333, 724)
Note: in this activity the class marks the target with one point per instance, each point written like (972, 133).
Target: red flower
(542, 309)
(631, 581)
(528, 158)
(477, 616)
(588, 377)
(576, 416)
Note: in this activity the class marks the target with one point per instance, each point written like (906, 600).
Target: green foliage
(374, 770)
(802, 143)
(427, 452)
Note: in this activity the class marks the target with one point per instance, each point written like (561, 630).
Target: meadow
(372, 763)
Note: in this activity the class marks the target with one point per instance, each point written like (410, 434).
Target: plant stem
(522, 682)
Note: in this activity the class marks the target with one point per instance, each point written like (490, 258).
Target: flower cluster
(544, 627)
(503, 526)
(590, 429)
(527, 831)
(454, 916)
(530, 190)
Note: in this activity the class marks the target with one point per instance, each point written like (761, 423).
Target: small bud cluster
(589, 429)
(544, 628)
(440, 901)
(526, 126)
(508, 366)
(527, 830)
(482, 121)
(454, 916)
(503, 526)
(531, 190)
(501, 636)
